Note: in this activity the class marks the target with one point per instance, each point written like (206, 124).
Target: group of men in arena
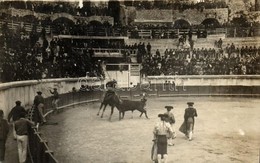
(164, 131)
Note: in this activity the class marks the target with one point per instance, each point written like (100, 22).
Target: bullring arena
(66, 53)
(226, 131)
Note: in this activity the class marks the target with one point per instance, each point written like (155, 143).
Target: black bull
(122, 105)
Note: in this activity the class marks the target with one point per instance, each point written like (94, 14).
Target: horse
(112, 100)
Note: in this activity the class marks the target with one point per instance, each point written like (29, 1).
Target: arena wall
(158, 86)
(25, 91)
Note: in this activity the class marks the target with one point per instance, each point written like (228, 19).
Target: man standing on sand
(188, 124)
(171, 120)
(161, 130)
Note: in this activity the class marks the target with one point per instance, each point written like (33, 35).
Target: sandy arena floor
(226, 131)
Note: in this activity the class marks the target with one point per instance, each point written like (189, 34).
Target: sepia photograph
(129, 81)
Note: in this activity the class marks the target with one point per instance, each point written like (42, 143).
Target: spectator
(4, 129)
(39, 108)
(21, 128)
(148, 47)
(55, 99)
(15, 114)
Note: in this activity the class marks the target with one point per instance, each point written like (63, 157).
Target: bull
(128, 105)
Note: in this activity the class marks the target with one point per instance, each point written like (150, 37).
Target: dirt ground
(226, 131)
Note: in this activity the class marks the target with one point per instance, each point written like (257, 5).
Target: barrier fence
(38, 148)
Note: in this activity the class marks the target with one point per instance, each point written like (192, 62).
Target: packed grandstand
(61, 39)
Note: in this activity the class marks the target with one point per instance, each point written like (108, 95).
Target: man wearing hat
(111, 87)
(15, 114)
(189, 120)
(171, 120)
(39, 106)
(161, 129)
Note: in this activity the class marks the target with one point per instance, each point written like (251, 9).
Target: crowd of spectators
(28, 56)
(58, 58)
(73, 8)
(202, 61)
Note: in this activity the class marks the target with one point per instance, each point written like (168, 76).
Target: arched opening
(62, 25)
(63, 20)
(211, 23)
(30, 18)
(181, 24)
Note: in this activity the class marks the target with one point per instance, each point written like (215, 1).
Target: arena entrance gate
(127, 75)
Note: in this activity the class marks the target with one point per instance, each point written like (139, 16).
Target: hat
(18, 102)
(163, 115)
(169, 107)
(190, 103)
(39, 92)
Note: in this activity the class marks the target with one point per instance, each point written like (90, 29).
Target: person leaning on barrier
(55, 99)
(15, 114)
(21, 128)
(4, 129)
(161, 130)
(39, 105)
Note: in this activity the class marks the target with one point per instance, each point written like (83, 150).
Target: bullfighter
(188, 124)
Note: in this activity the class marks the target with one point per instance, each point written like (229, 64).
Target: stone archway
(211, 23)
(30, 18)
(63, 20)
(63, 15)
(181, 23)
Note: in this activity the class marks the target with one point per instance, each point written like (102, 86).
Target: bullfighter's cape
(183, 128)
(154, 151)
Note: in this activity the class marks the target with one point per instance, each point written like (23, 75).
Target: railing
(27, 26)
(108, 52)
(144, 33)
(38, 148)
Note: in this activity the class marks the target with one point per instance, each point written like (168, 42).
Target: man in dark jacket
(4, 129)
(189, 115)
(15, 114)
(39, 106)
